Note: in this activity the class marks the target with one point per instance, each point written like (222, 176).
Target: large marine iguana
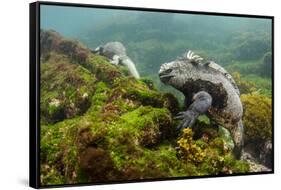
(208, 89)
(116, 53)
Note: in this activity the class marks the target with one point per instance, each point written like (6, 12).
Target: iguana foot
(188, 118)
(202, 101)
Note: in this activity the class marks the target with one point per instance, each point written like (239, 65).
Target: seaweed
(100, 124)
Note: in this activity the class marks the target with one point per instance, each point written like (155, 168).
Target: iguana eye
(169, 70)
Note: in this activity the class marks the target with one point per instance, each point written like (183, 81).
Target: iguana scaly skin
(116, 53)
(208, 89)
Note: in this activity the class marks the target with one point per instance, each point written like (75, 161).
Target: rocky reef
(100, 124)
(258, 128)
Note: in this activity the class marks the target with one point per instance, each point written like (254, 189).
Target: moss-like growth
(257, 118)
(121, 126)
(204, 129)
(210, 156)
(102, 69)
(171, 103)
(188, 150)
(99, 124)
(149, 83)
(65, 89)
(138, 91)
(52, 41)
(243, 85)
(149, 124)
(97, 164)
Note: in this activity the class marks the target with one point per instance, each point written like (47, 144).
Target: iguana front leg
(115, 60)
(202, 101)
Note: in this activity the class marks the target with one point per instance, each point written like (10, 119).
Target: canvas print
(133, 95)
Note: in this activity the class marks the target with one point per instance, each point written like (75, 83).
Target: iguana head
(175, 73)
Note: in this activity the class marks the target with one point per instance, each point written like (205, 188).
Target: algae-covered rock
(51, 41)
(211, 156)
(65, 89)
(100, 124)
(257, 121)
(257, 117)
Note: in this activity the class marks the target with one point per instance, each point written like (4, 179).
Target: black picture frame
(34, 91)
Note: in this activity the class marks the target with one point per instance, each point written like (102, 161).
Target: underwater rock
(211, 155)
(65, 89)
(52, 41)
(105, 125)
(171, 103)
(258, 129)
(266, 154)
(110, 123)
(254, 165)
(97, 164)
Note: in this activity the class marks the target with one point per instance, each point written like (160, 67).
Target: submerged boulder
(65, 89)
(99, 124)
(257, 120)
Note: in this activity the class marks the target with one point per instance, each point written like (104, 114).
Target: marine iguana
(208, 89)
(116, 53)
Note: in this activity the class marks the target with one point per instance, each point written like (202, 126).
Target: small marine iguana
(116, 53)
(208, 89)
